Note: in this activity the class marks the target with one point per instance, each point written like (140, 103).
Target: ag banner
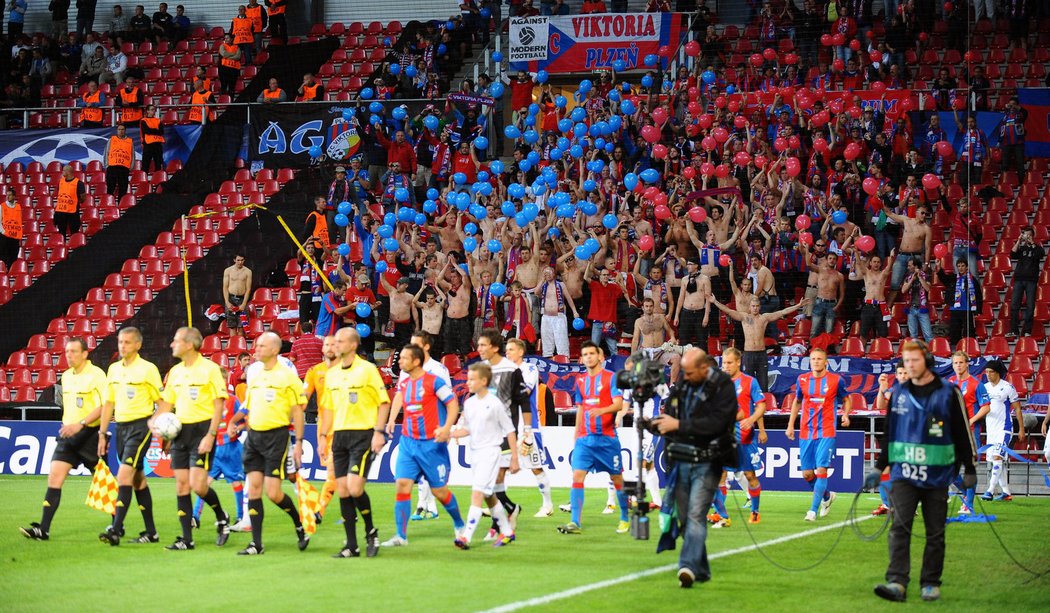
(282, 135)
(577, 43)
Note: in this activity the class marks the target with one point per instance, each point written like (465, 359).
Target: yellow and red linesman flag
(309, 504)
(102, 496)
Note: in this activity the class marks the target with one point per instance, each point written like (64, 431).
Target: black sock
(145, 500)
(506, 501)
(123, 500)
(349, 513)
(288, 507)
(51, 500)
(185, 506)
(212, 500)
(364, 508)
(255, 516)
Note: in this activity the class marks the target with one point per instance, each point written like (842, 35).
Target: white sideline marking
(540, 600)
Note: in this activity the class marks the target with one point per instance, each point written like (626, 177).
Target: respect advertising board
(578, 43)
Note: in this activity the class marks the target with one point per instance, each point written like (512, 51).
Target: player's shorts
(536, 458)
(351, 452)
(265, 451)
(81, 448)
(748, 458)
(227, 462)
(133, 439)
(597, 453)
(485, 465)
(998, 444)
(648, 447)
(428, 458)
(184, 447)
(816, 453)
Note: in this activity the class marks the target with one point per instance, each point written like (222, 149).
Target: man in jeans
(703, 409)
(831, 290)
(1028, 256)
(917, 287)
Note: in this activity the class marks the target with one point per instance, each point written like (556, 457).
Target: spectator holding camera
(1028, 255)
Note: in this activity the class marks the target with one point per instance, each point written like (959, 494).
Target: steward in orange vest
(70, 196)
(92, 102)
(130, 100)
(10, 229)
(199, 113)
(152, 134)
(317, 225)
(310, 89)
(119, 156)
(272, 94)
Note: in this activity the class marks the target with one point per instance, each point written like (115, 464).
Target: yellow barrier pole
(186, 274)
(309, 258)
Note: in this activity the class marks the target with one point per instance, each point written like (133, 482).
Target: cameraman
(1028, 254)
(700, 412)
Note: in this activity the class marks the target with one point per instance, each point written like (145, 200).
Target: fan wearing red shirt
(361, 293)
(521, 93)
(466, 162)
(605, 297)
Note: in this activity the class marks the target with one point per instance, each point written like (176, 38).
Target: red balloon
(707, 169)
(794, 142)
(705, 121)
(870, 185)
(836, 106)
(878, 87)
(770, 54)
(786, 92)
(825, 39)
(854, 45)
(708, 143)
(660, 199)
(907, 104)
(804, 102)
(659, 115)
(659, 152)
(793, 167)
(940, 250)
(959, 104)
(651, 134)
(851, 152)
(694, 108)
(692, 48)
(721, 171)
(694, 92)
(944, 148)
(741, 158)
(838, 39)
(760, 161)
(820, 145)
(720, 102)
(692, 130)
(651, 192)
(803, 222)
(865, 243)
(725, 260)
(721, 135)
(661, 212)
(740, 122)
(734, 106)
(756, 59)
(948, 7)
(820, 119)
(875, 56)
(838, 65)
(855, 112)
(871, 34)
(698, 214)
(969, 56)
(689, 172)
(791, 58)
(646, 241)
(664, 51)
(931, 181)
(923, 36)
(780, 144)
(805, 238)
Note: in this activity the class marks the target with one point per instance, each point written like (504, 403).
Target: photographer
(1028, 254)
(699, 418)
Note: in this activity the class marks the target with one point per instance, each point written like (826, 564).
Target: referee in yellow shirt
(196, 389)
(314, 385)
(355, 405)
(275, 400)
(133, 385)
(83, 391)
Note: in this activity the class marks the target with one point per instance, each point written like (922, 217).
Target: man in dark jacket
(703, 410)
(1028, 255)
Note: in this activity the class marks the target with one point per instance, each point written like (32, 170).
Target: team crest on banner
(343, 139)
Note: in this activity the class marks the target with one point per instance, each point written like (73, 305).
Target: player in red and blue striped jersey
(430, 411)
(752, 405)
(977, 403)
(818, 394)
(597, 446)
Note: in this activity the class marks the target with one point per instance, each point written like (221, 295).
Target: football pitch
(598, 570)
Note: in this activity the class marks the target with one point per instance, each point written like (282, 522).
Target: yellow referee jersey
(353, 395)
(82, 393)
(193, 390)
(270, 397)
(133, 389)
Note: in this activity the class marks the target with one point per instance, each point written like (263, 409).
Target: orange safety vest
(255, 14)
(229, 62)
(121, 150)
(277, 7)
(272, 95)
(129, 114)
(67, 196)
(151, 131)
(242, 31)
(309, 92)
(11, 220)
(197, 109)
(320, 228)
(91, 113)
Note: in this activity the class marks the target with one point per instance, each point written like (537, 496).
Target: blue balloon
(555, 154)
(614, 95)
(470, 244)
(531, 210)
(530, 121)
(565, 211)
(581, 253)
(430, 207)
(431, 122)
(433, 194)
(521, 219)
(363, 330)
(460, 178)
(481, 143)
(512, 132)
(531, 136)
(525, 165)
(483, 177)
(516, 190)
(367, 93)
(390, 220)
(316, 151)
(471, 229)
(599, 165)
(553, 233)
(399, 114)
(497, 289)
(576, 151)
(650, 175)
(375, 119)
(442, 49)
(401, 194)
(485, 14)
(363, 309)
(534, 109)
(538, 189)
(375, 107)
(395, 69)
(619, 65)
(647, 81)
(496, 89)
(615, 123)
(564, 124)
(507, 208)
(589, 208)
(344, 249)
(496, 55)
(462, 200)
(627, 107)
(708, 77)
(578, 324)
(421, 219)
(730, 89)
(406, 214)
(345, 208)
(610, 221)
(839, 217)
(342, 220)
(390, 244)
(561, 101)
(385, 231)
(542, 76)
(630, 181)
(580, 130)
(592, 245)
(381, 266)
(609, 147)
(578, 114)
(589, 185)
(494, 246)
(586, 85)
(387, 41)
(497, 167)
(651, 60)
(479, 212)
(626, 87)
(348, 114)
(411, 71)
(533, 157)
(668, 85)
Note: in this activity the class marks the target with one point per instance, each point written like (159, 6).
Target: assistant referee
(196, 389)
(355, 402)
(275, 400)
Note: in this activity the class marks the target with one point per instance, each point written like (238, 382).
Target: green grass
(74, 572)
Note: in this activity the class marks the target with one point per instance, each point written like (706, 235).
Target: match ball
(167, 426)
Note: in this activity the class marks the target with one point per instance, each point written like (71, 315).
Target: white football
(167, 426)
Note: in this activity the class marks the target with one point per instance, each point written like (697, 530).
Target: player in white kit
(486, 421)
(531, 453)
(999, 427)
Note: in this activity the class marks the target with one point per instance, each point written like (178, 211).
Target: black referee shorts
(184, 447)
(81, 448)
(133, 439)
(351, 452)
(265, 452)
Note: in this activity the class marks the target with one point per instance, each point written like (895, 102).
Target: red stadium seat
(1019, 382)
(1042, 383)
(940, 347)
(1021, 366)
(998, 346)
(1026, 347)
(880, 349)
(452, 363)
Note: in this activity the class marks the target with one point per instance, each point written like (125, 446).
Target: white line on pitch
(540, 600)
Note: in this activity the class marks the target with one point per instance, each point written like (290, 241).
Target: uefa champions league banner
(86, 145)
(578, 43)
(26, 449)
